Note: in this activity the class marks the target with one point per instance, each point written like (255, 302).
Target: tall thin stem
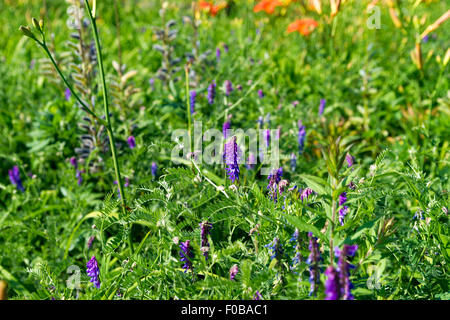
(108, 126)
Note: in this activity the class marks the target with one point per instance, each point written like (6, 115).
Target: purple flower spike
(231, 157)
(251, 161)
(276, 249)
(14, 177)
(152, 83)
(154, 169)
(342, 213)
(257, 296)
(218, 54)
(233, 271)
(205, 230)
(267, 137)
(93, 272)
(323, 102)
(274, 179)
(186, 255)
(228, 87)
(332, 286)
(193, 95)
(131, 142)
(67, 94)
(313, 261)
(293, 162)
(301, 136)
(306, 193)
(342, 198)
(211, 93)
(74, 162)
(226, 126)
(344, 270)
(260, 93)
(90, 241)
(350, 160)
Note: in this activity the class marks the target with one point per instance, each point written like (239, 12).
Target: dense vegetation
(362, 184)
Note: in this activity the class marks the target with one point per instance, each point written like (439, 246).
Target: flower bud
(36, 24)
(27, 32)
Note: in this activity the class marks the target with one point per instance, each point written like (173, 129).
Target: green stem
(188, 106)
(108, 126)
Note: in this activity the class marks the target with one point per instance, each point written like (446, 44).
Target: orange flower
(267, 5)
(303, 26)
(212, 9)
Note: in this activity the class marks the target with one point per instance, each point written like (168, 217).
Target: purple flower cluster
(234, 271)
(323, 102)
(260, 93)
(313, 261)
(211, 93)
(193, 95)
(344, 210)
(350, 159)
(274, 178)
(154, 169)
(205, 230)
(131, 142)
(186, 255)
(93, 272)
(14, 177)
(226, 126)
(228, 87)
(276, 249)
(293, 161)
(304, 195)
(301, 136)
(298, 256)
(67, 94)
(78, 173)
(338, 285)
(231, 158)
(257, 296)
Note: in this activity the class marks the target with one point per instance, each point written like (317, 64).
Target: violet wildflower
(344, 270)
(226, 126)
(79, 176)
(306, 193)
(93, 272)
(228, 87)
(90, 241)
(342, 213)
(205, 230)
(67, 94)
(251, 161)
(14, 177)
(276, 249)
(342, 198)
(344, 210)
(193, 95)
(231, 157)
(233, 271)
(131, 142)
(257, 296)
(323, 102)
(74, 162)
(152, 83)
(332, 286)
(186, 255)
(274, 178)
(154, 169)
(218, 54)
(298, 256)
(267, 137)
(426, 38)
(211, 93)
(239, 87)
(350, 159)
(293, 162)
(225, 48)
(260, 121)
(313, 261)
(301, 136)
(260, 93)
